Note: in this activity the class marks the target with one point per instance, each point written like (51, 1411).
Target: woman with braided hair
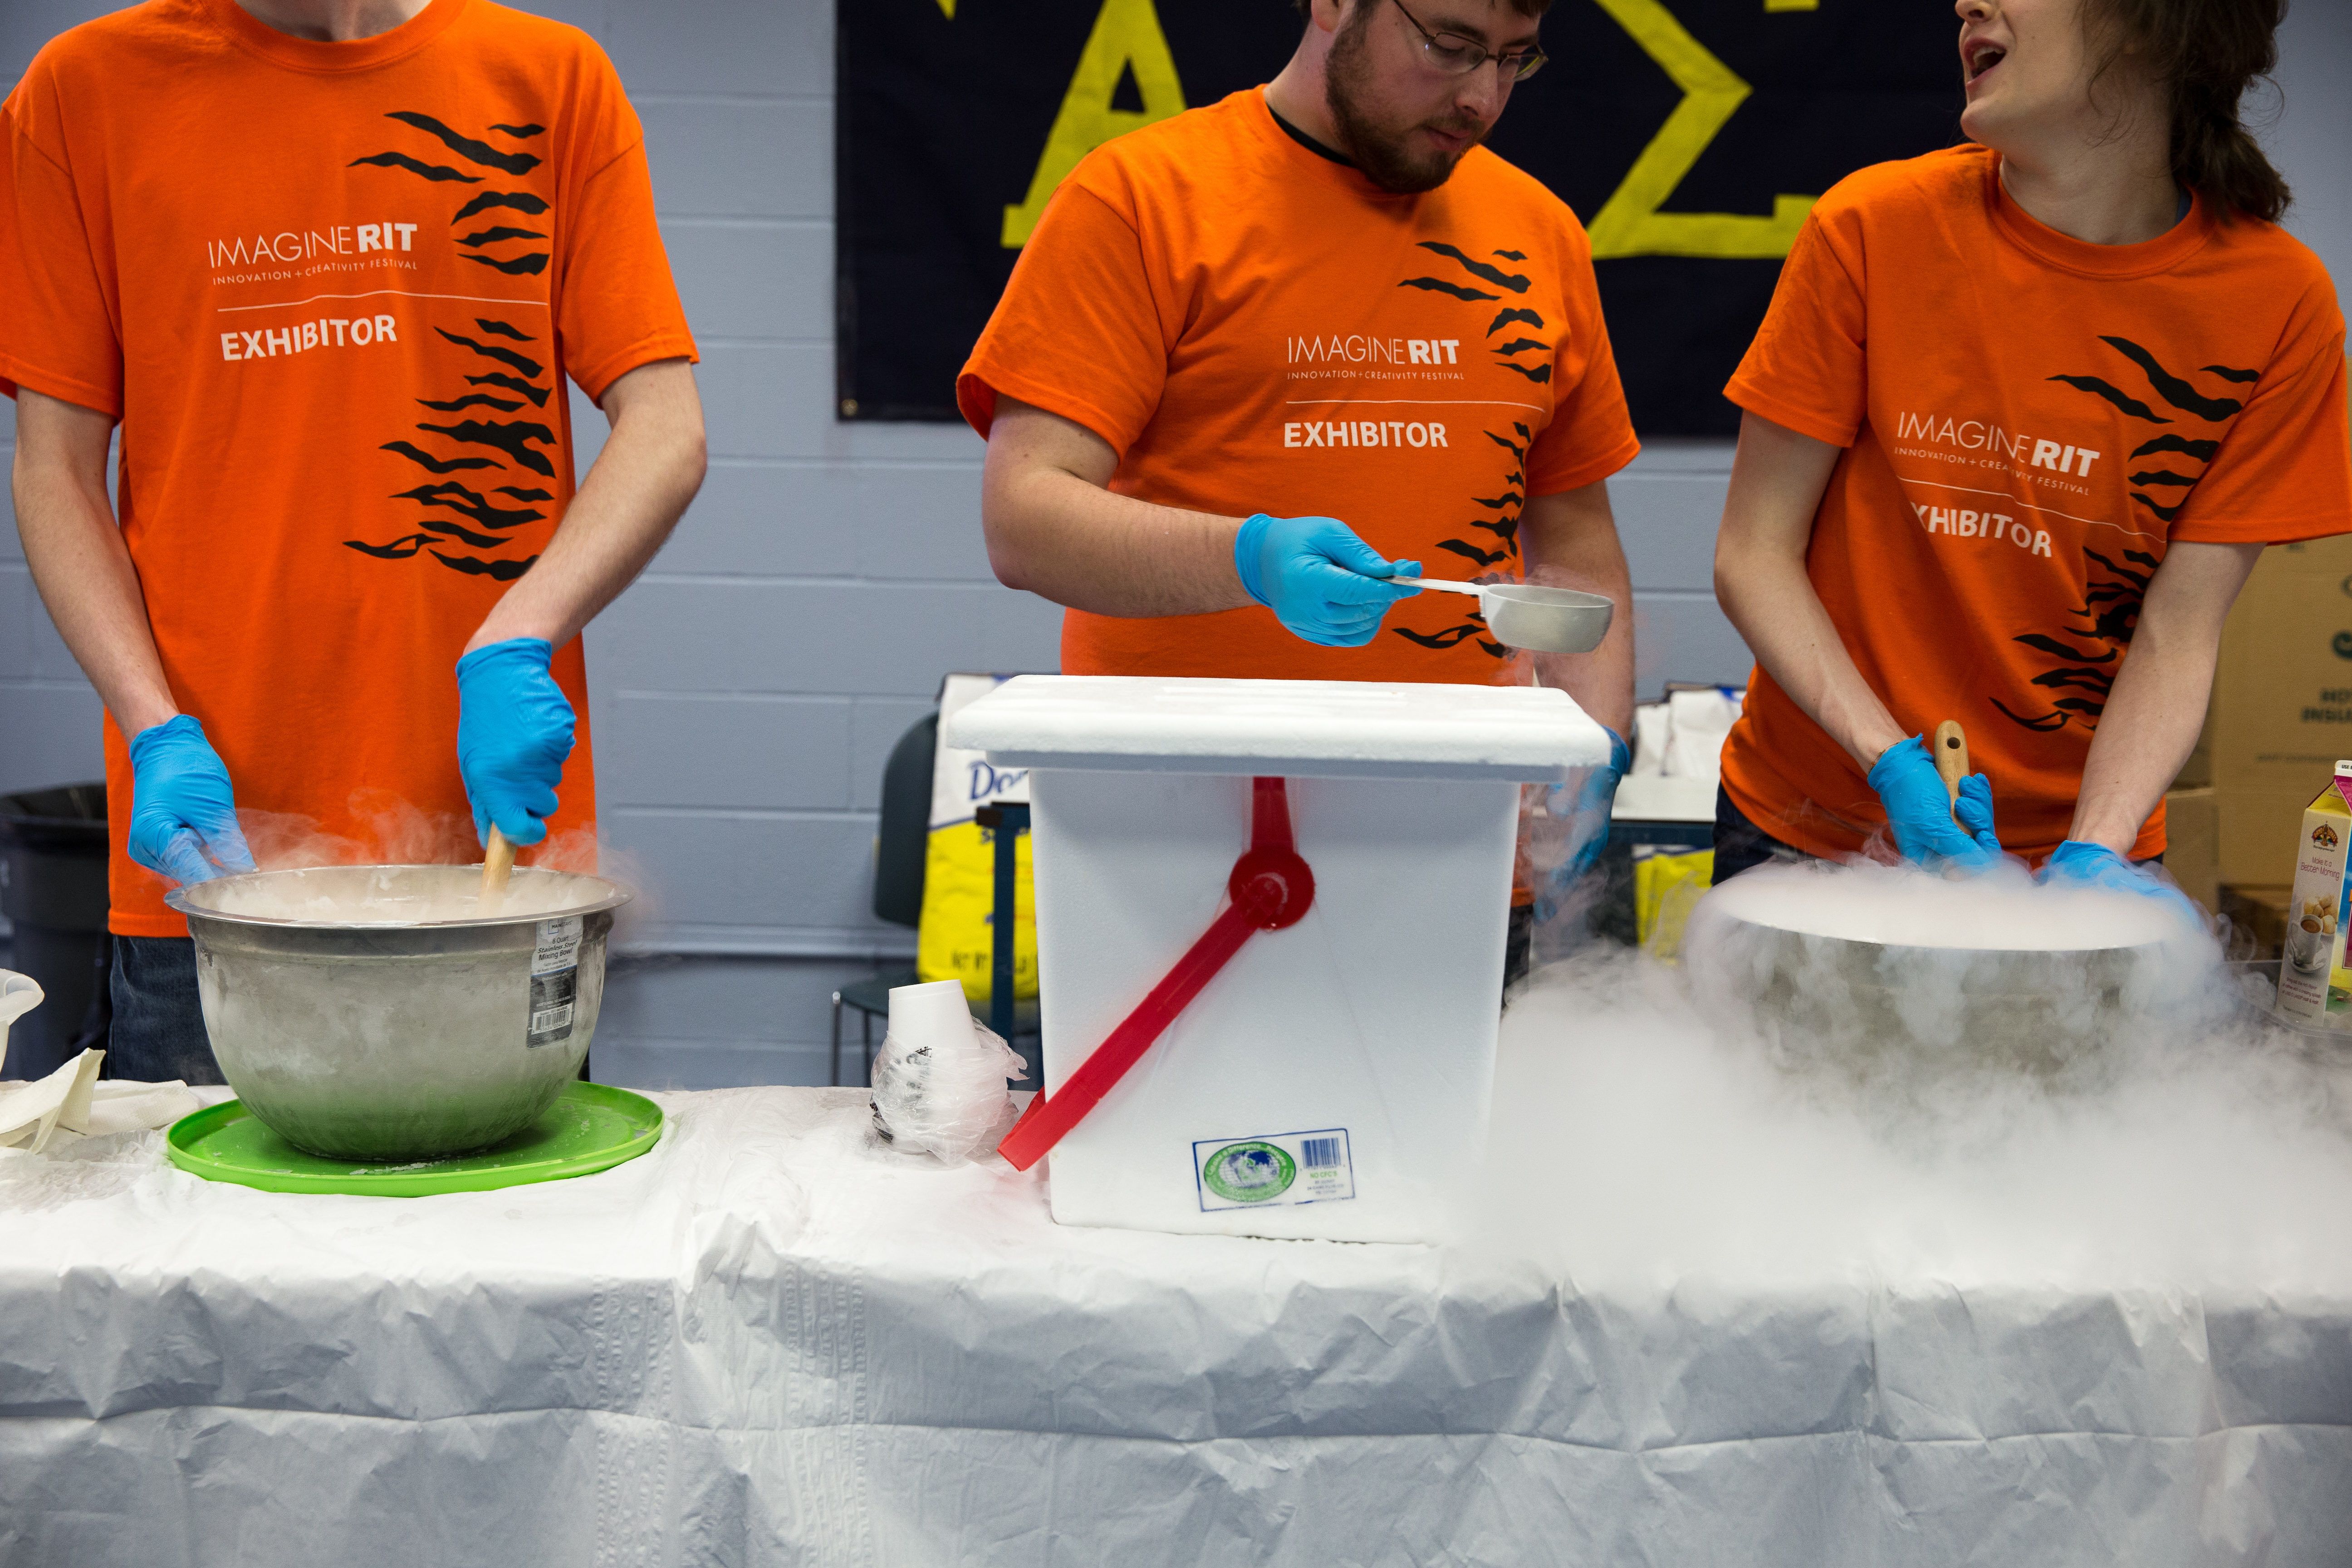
(2020, 408)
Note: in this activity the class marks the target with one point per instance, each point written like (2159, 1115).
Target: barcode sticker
(1273, 1171)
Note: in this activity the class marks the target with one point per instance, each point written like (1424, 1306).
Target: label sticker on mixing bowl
(1267, 1173)
(554, 980)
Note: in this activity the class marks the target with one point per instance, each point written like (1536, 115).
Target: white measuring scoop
(1546, 620)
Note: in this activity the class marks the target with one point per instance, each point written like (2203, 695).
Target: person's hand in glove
(1588, 818)
(2078, 864)
(1920, 810)
(183, 810)
(1320, 581)
(515, 727)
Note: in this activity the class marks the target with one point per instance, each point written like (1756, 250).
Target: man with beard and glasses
(1263, 359)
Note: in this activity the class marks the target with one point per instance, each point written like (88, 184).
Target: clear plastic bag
(945, 1095)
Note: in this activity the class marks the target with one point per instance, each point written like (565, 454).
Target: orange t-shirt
(332, 292)
(2029, 422)
(1254, 327)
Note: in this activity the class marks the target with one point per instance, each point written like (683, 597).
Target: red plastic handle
(1270, 888)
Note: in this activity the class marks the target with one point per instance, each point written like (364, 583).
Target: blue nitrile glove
(1320, 581)
(1919, 809)
(2083, 864)
(1974, 811)
(1587, 832)
(514, 731)
(183, 810)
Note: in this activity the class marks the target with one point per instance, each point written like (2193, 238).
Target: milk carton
(2315, 985)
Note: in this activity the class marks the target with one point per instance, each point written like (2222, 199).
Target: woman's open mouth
(1981, 57)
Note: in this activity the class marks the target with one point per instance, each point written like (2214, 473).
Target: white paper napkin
(70, 1104)
(32, 1115)
(120, 1106)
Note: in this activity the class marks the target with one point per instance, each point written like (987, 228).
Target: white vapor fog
(2142, 1126)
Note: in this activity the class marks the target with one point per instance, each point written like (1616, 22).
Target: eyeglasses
(1457, 55)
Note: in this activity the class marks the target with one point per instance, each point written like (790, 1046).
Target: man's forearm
(75, 550)
(1087, 549)
(649, 470)
(1053, 531)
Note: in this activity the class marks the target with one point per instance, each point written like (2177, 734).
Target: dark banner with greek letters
(1690, 136)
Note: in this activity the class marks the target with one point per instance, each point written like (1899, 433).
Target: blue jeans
(1740, 845)
(159, 1025)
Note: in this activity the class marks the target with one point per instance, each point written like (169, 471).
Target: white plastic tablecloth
(770, 1341)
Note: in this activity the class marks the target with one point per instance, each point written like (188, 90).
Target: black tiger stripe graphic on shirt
(2117, 588)
(457, 518)
(520, 201)
(523, 362)
(437, 173)
(1516, 283)
(467, 147)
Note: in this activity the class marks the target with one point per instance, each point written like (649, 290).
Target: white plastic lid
(1909, 908)
(1299, 729)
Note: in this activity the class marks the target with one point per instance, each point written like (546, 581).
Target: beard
(1381, 152)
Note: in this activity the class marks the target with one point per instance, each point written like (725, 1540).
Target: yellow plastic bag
(956, 939)
(1665, 886)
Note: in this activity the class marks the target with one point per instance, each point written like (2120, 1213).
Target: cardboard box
(2193, 844)
(2282, 709)
(2196, 773)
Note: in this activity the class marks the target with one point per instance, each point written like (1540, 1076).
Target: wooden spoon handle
(1445, 582)
(1951, 756)
(497, 861)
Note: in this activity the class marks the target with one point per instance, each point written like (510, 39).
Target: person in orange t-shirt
(329, 265)
(1316, 302)
(2020, 408)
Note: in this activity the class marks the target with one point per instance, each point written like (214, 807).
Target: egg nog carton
(2315, 986)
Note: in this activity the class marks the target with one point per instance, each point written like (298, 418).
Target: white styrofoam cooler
(1334, 1079)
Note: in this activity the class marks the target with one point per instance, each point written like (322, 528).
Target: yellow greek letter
(1126, 35)
(1631, 223)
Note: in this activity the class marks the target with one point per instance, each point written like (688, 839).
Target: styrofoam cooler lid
(1299, 729)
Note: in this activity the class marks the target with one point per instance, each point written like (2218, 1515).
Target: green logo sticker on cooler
(554, 980)
(1270, 1172)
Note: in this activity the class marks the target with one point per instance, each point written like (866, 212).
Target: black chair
(903, 842)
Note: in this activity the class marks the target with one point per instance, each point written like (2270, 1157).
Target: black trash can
(53, 890)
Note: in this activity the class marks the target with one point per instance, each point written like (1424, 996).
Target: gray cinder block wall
(747, 690)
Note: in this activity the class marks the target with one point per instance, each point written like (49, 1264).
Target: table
(1668, 813)
(773, 1341)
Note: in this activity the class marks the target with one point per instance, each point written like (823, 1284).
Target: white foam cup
(932, 1014)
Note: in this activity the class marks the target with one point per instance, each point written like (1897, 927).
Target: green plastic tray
(590, 1127)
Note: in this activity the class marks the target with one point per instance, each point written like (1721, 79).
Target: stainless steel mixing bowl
(1911, 981)
(1869, 1009)
(399, 1041)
